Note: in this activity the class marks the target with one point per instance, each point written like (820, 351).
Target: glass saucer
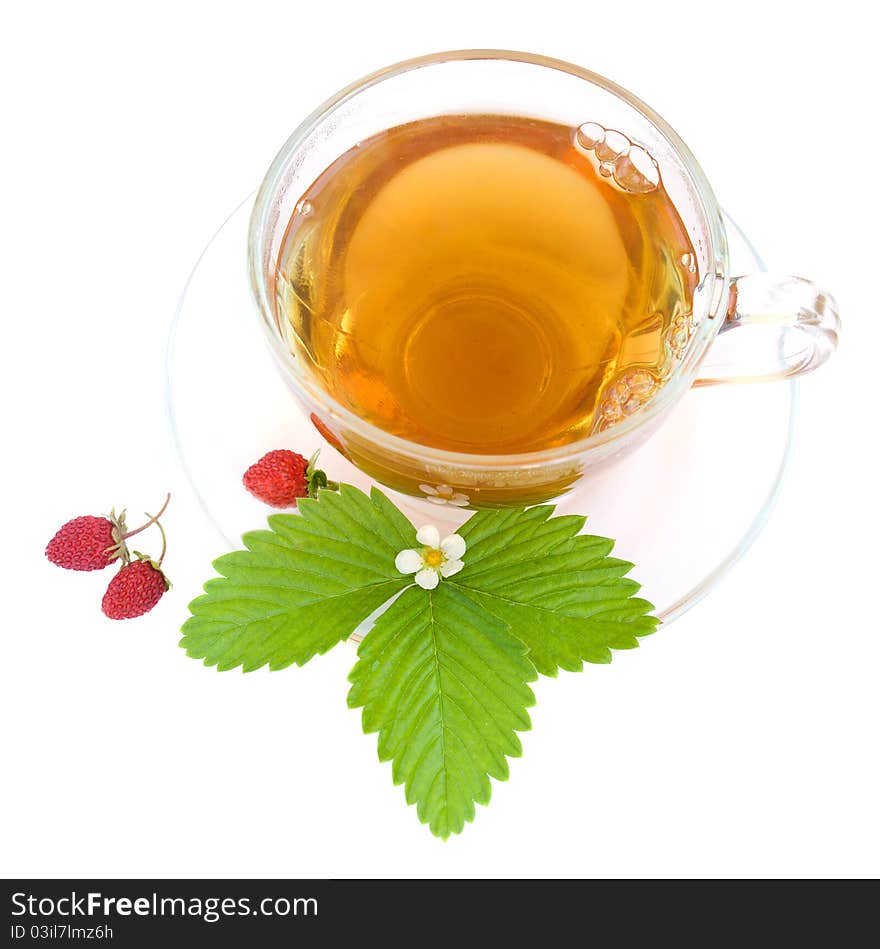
(684, 507)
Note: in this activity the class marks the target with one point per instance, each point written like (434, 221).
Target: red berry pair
(92, 543)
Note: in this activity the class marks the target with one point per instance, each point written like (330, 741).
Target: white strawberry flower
(436, 558)
(444, 494)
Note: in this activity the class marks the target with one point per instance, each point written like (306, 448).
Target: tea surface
(475, 283)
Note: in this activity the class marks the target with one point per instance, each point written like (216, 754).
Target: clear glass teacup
(743, 328)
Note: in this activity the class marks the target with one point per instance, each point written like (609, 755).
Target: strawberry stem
(316, 479)
(164, 544)
(153, 520)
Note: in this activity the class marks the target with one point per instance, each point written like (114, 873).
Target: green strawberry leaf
(557, 589)
(444, 684)
(442, 675)
(302, 586)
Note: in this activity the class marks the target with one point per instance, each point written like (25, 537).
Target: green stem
(164, 544)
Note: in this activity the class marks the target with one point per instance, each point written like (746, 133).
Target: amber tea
(488, 284)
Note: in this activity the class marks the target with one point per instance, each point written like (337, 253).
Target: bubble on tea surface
(612, 146)
(630, 166)
(304, 208)
(678, 335)
(624, 396)
(589, 135)
(636, 171)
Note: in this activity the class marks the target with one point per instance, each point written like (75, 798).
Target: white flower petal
(436, 500)
(451, 567)
(453, 547)
(428, 535)
(445, 491)
(408, 561)
(459, 500)
(427, 579)
(427, 489)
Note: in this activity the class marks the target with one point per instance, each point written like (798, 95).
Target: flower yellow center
(433, 557)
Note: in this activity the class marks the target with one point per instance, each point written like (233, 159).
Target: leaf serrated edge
(515, 647)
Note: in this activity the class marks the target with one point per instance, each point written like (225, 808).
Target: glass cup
(748, 328)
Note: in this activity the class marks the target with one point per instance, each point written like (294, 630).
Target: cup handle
(775, 328)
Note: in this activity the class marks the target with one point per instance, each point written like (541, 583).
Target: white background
(740, 741)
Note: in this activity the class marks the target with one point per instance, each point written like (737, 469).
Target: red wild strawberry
(85, 543)
(92, 543)
(281, 477)
(135, 590)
